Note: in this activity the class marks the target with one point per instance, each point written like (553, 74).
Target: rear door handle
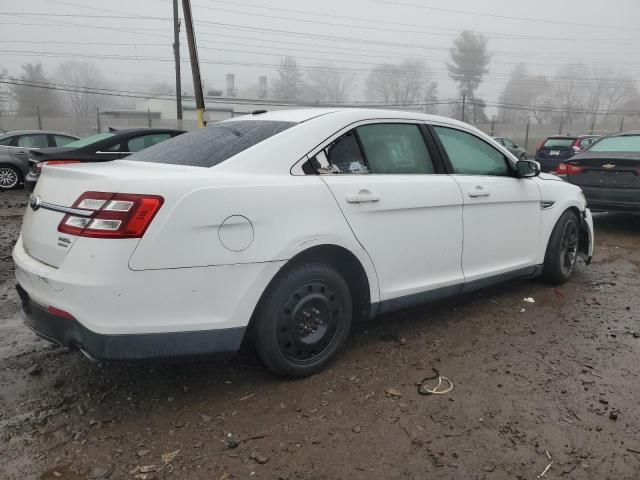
(479, 191)
(363, 196)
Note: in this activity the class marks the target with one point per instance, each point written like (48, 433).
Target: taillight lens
(568, 169)
(111, 215)
(39, 165)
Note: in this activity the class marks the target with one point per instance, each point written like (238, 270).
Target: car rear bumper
(618, 199)
(71, 333)
(124, 314)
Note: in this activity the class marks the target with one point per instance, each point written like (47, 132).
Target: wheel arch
(553, 221)
(363, 288)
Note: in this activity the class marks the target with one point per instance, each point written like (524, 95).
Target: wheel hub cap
(8, 178)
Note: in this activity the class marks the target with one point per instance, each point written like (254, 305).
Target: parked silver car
(518, 151)
(14, 152)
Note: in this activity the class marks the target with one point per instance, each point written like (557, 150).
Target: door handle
(363, 196)
(479, 191)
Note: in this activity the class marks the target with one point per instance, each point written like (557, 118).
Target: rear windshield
(558, 143)
(83, 142)
(630, 143)
(212, 145)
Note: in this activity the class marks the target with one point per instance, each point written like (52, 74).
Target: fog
(130, 43)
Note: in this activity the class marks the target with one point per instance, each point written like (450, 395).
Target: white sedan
(282, 228)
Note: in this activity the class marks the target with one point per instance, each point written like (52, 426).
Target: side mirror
(527, 168)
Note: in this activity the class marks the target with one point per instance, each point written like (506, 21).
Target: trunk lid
(61, 185)
(607, 169)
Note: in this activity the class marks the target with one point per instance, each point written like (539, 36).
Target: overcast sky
(353, 35)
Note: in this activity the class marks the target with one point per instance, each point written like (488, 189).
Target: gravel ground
(553, 382)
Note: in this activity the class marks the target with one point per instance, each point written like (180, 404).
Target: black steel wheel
(562, 250)
(303, 320)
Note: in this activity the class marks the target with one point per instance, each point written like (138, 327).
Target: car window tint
(62, 140)
(469, 155)
(33, 141)
(395, 148)
(625, 143)
(344, 155)
(6, 141)
(83, 142)
(212, 145)
(114, 148)
(146, 141)
(558, 143)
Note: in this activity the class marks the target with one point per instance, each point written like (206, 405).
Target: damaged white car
(282, 228)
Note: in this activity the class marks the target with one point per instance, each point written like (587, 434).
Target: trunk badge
(608, 166)
(35, 202)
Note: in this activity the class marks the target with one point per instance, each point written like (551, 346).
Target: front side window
(33, 141)
(470, 155)
(395, 148)
(146, 141)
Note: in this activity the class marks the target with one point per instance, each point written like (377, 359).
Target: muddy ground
(551, 382)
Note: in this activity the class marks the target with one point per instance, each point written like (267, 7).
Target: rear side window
(62, 140)
(558, 143)
(212, 145)
(146, 141)
(470, 155)
(627, 143)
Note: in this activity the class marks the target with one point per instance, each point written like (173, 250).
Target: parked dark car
(555, 150)
(101, 147)
(14, 152)
(608, 173)
(513, 147)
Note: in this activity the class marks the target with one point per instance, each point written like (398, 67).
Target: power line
(491, 78)
(127, 93)
(504, 17)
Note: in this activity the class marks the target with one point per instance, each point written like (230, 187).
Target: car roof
(144, 130)
(13, 133)
(631, 133)
(353, 114)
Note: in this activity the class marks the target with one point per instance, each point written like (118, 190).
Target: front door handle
(363, 196)
(479, 191)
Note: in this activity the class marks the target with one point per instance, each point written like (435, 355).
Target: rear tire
(303, 320)
(10, 177)
(562, 250)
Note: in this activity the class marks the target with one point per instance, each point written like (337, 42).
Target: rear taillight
(39, 165)
(60, 313)
(568, 169)
(111, 215)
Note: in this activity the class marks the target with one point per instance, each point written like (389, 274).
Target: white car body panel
(223, 233)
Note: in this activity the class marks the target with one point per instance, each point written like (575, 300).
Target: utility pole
(493, 125)
(526, 134)
(39, 117)
(149, 116)
(195, 64)
(98, 119)
(176, 55)
(622, 123)
(464, 104)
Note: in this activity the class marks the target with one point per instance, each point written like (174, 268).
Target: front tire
(303, 320)
(562, 250)
(10, 177)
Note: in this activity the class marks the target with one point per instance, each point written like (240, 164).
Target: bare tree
(289, 84)
(403, 84)
(329, 84)
(35, 92)
(80, 77)
(522, 93)
(570, 92)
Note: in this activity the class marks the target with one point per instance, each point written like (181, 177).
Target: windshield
(627, 143)
(558, 143)
(212, 145)
(83, 142)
